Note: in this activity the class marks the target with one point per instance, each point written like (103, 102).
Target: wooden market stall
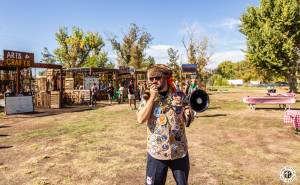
(48, 88)
(78, 80)
(17, 86)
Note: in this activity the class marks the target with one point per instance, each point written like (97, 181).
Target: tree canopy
(273, 38)
(238, 70)
(99, 60)
(75, 50)
(131, 51)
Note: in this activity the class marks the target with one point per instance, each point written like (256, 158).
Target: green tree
(131, 52)
(74, 50)
(246, 71)
(273, 38)
(149, 61)
(227, 70)
(173, 62)
(47, 57)
(99, 60)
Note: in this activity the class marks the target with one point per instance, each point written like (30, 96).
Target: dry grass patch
(228, 144)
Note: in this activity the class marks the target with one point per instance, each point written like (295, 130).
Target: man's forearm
(145, 113)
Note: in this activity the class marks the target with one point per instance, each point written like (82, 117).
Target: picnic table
(282, 94)
(282, 101)
(293, 117)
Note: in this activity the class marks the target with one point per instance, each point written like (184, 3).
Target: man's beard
(161, 86)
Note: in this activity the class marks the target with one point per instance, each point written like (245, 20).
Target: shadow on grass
(50, 112)
(216, 107)
(5, 147)
(213, 115)
(4, 126)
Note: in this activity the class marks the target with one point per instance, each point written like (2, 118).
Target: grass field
(228, 144)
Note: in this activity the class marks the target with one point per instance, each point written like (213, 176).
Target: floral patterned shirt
(166, 138)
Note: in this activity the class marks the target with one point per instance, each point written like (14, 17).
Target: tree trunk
(292, 80)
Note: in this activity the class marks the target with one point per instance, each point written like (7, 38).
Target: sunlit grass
(228, 144)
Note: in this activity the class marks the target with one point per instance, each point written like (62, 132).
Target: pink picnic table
(282, 101)
(293, 117)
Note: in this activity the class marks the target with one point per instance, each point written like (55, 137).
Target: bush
(218, 80)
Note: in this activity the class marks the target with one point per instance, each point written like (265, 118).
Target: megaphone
(199, 100)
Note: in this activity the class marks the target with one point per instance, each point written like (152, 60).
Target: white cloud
(234, 55)
(229, 23)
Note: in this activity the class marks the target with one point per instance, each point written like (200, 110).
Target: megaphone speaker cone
(199, 100)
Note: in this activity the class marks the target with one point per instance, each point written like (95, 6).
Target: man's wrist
(152, 98)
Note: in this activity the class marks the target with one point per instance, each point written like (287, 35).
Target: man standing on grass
(94, 90)
(166, 117)
(131, 95)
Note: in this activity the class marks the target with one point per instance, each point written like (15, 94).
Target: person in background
(131, 95)
(8, 89)
(193, 86)
(77, 86)
(142, 90)
(110, 93)
(138, 89)
(94, 90)
(186, 87)
(177, 85)
(121, 93)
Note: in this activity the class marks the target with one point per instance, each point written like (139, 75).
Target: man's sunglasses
(156, 78)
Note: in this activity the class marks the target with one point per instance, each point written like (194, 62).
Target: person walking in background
(177, 86)
(110, 92)
(131, 95)
(94, 90)
(142, 90)
(186, 87)
(193, 86)
(121, 93)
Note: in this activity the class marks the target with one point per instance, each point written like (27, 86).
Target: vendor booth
(79, 80)
(17, 87)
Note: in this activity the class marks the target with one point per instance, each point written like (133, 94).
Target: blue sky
(30, 25)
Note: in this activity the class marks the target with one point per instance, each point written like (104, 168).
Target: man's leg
(156, 171)
(94, 100)
(134, 103)
(180, 169)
